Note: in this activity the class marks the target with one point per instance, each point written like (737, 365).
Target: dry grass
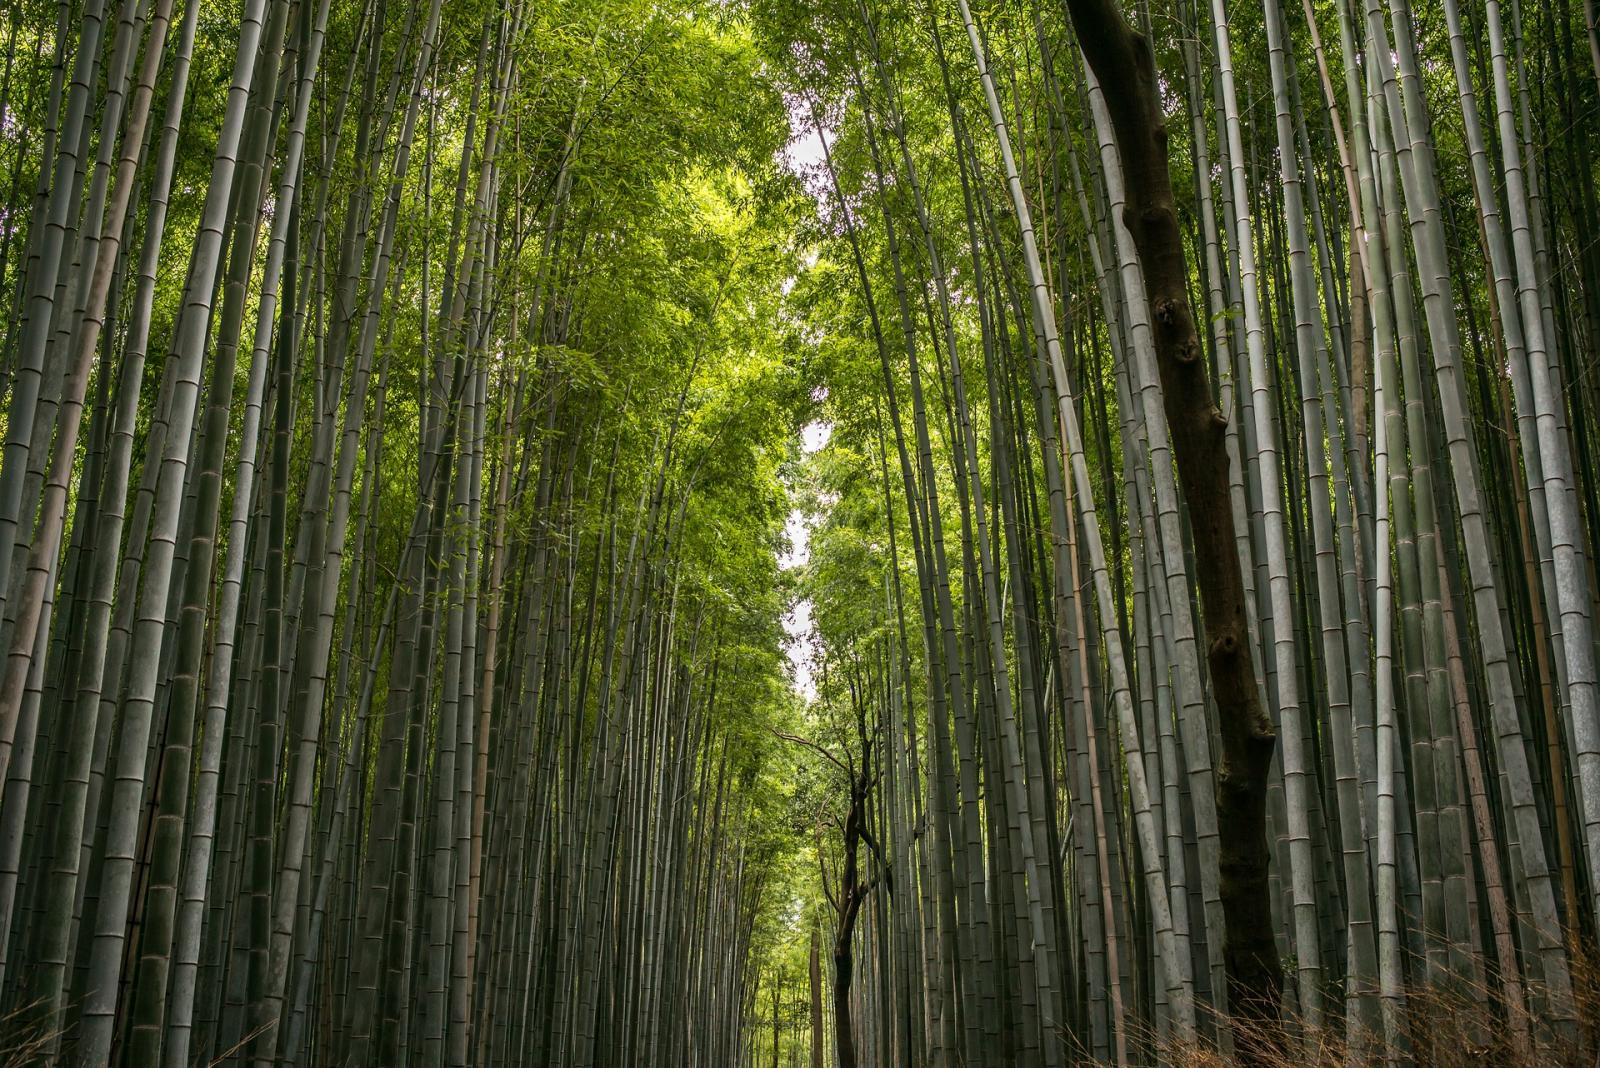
(1460, 1026)
(24, 1040)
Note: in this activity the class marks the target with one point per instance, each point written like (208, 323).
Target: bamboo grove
(894, 532)
(1213, 388)
(392, 423)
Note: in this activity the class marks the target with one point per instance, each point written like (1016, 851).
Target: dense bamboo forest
(799, 533)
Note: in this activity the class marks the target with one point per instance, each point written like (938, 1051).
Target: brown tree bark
(816, 998)
(1123, 62)
(853, 892)
(843, 1031)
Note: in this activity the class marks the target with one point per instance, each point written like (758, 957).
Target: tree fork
(1124, 63)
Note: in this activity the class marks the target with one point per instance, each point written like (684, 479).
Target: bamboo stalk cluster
(400, 406)
(386, 517)
(1382, 221)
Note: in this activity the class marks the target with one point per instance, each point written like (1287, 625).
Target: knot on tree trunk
(1140, 45)
(1158, 219)
(1168, 313)
(1264, 738)
(1230, 787)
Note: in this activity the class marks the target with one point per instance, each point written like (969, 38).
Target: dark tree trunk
(844, 1038)
(816, 999)
(1123, 62)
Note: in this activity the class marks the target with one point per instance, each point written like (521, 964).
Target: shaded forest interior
(799, 533)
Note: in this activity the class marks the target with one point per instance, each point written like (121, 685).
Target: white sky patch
(798, 626)
(814, 436)
(804, 156)
(804, 152)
